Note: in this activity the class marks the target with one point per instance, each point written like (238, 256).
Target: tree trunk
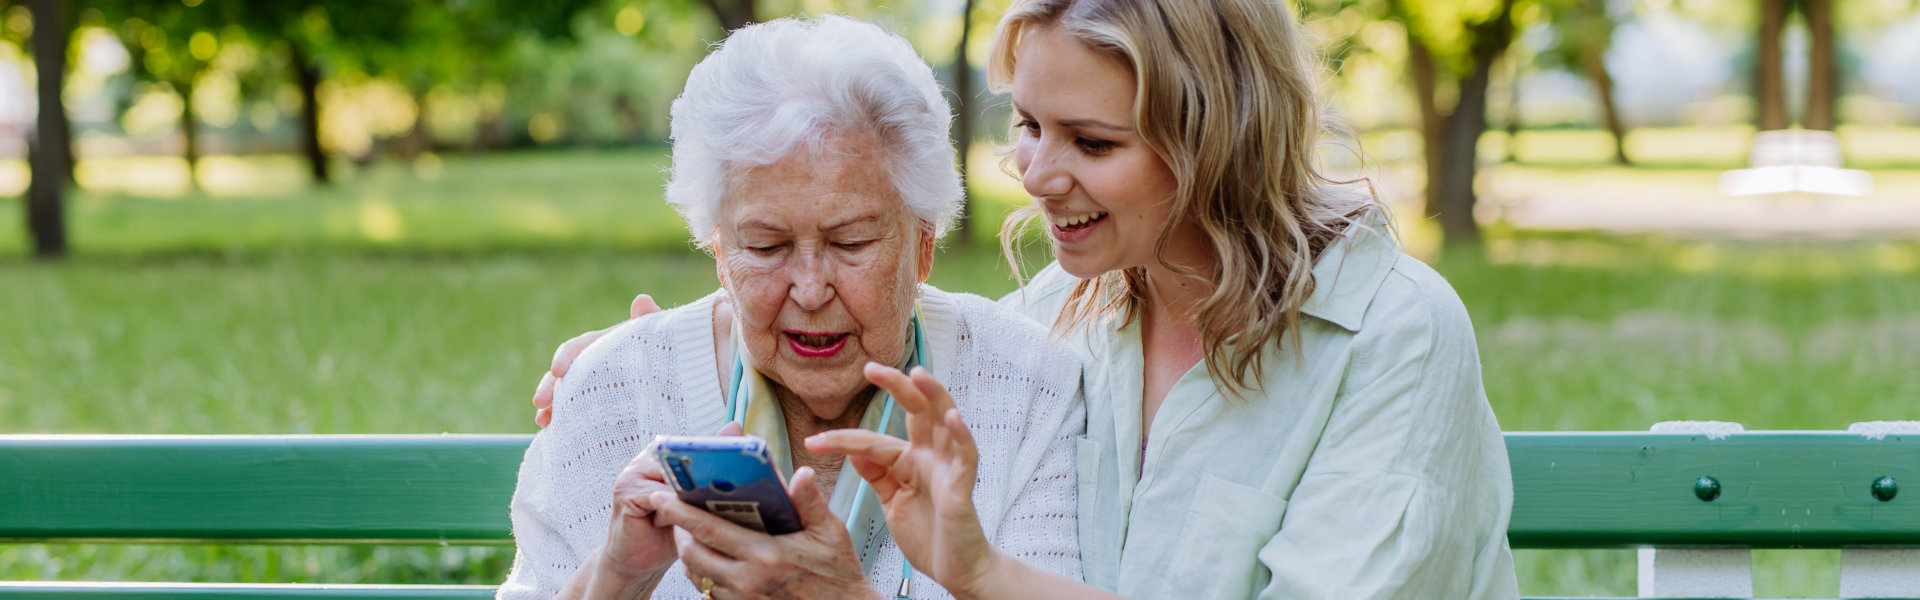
(307, 75)
(419, 137)
(1823, 79)
(1593, 61)
(1459, 158)
(1770, 83)
(190, 134)
(630, 122)
(1513, 114)
(1432, 124)
(1464, 125)
(963, 114)
(51, 151)
(733, 14)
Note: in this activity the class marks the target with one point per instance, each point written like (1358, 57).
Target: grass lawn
(398, 304)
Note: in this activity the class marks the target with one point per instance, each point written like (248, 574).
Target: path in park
(1690, 204)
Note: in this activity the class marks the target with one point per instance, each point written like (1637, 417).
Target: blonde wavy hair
(1227, 96)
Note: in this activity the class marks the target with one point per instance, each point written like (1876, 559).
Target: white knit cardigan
(655, 375)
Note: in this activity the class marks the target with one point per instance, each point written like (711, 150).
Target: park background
(380, 216)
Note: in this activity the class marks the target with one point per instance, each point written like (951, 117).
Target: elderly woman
(810, 158)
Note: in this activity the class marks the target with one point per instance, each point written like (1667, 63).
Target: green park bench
(1694, 503)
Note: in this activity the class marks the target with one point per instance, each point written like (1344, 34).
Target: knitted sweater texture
(1019, 395)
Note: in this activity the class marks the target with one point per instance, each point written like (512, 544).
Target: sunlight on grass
(379, 221)
(1689, 145)
(1869, 147)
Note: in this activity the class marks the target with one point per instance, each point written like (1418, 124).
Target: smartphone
(730, 476)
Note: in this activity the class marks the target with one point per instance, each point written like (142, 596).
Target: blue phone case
(731, 477)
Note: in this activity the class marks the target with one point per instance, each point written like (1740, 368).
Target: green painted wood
(1572, 489)
(177, 591)
(1777, 490)
(270, 489)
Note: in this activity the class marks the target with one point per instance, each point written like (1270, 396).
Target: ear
(719, 252)
(927, 244)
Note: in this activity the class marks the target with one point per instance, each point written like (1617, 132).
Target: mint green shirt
(1369, 465)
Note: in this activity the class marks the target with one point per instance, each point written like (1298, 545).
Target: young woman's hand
(925, 482)
(564, 355)
(816, 562)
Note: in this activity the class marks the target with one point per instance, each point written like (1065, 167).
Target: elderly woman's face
(822, 259)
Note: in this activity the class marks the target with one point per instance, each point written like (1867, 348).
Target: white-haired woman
(810, 158)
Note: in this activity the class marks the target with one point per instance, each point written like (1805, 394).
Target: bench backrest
(1769, 490)
(266, 489)
(1775, 490)
(1587, 490)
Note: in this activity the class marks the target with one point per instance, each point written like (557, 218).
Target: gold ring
(706, 588)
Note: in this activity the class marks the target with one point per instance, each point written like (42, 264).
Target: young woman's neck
(1173, 295)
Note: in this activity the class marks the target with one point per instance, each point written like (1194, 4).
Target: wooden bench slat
(14, 590)
(326, 489)
(1571, 489)
(1778, 490)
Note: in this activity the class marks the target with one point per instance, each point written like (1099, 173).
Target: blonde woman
(1280, 403)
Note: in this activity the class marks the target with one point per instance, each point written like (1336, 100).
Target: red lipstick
(816, 345)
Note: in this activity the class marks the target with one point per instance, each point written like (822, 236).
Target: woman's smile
(816, 345)
(1068, 229)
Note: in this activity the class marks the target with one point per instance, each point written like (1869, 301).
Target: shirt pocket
(1217, 554)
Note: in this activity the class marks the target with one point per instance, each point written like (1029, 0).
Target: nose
(813, 278)
(1043, 174)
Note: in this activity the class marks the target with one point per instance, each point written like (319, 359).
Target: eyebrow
(759, 224)
(1093, 124)
(1078, 123)
(850, 222)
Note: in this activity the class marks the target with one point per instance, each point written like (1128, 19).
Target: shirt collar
(1348, 274)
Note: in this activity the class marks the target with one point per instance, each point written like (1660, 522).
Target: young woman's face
(1105, 193)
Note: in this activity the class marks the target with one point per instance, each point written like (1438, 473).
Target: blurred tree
(50, 152)
(1770, 75)
(307, 30)
(435, 49)
(1451, 49)
(25, 40)
(962, 78)
(454, 41)
(1823, 65)
(170, 42)
(1583, 33)
(1823, 77)
(734, 14)
(419, 43)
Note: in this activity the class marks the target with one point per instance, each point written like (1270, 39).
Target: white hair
(771, 87)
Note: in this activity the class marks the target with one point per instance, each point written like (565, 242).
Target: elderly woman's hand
(925, 482)
(640, 543)
(564, 355)
(815, 562)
